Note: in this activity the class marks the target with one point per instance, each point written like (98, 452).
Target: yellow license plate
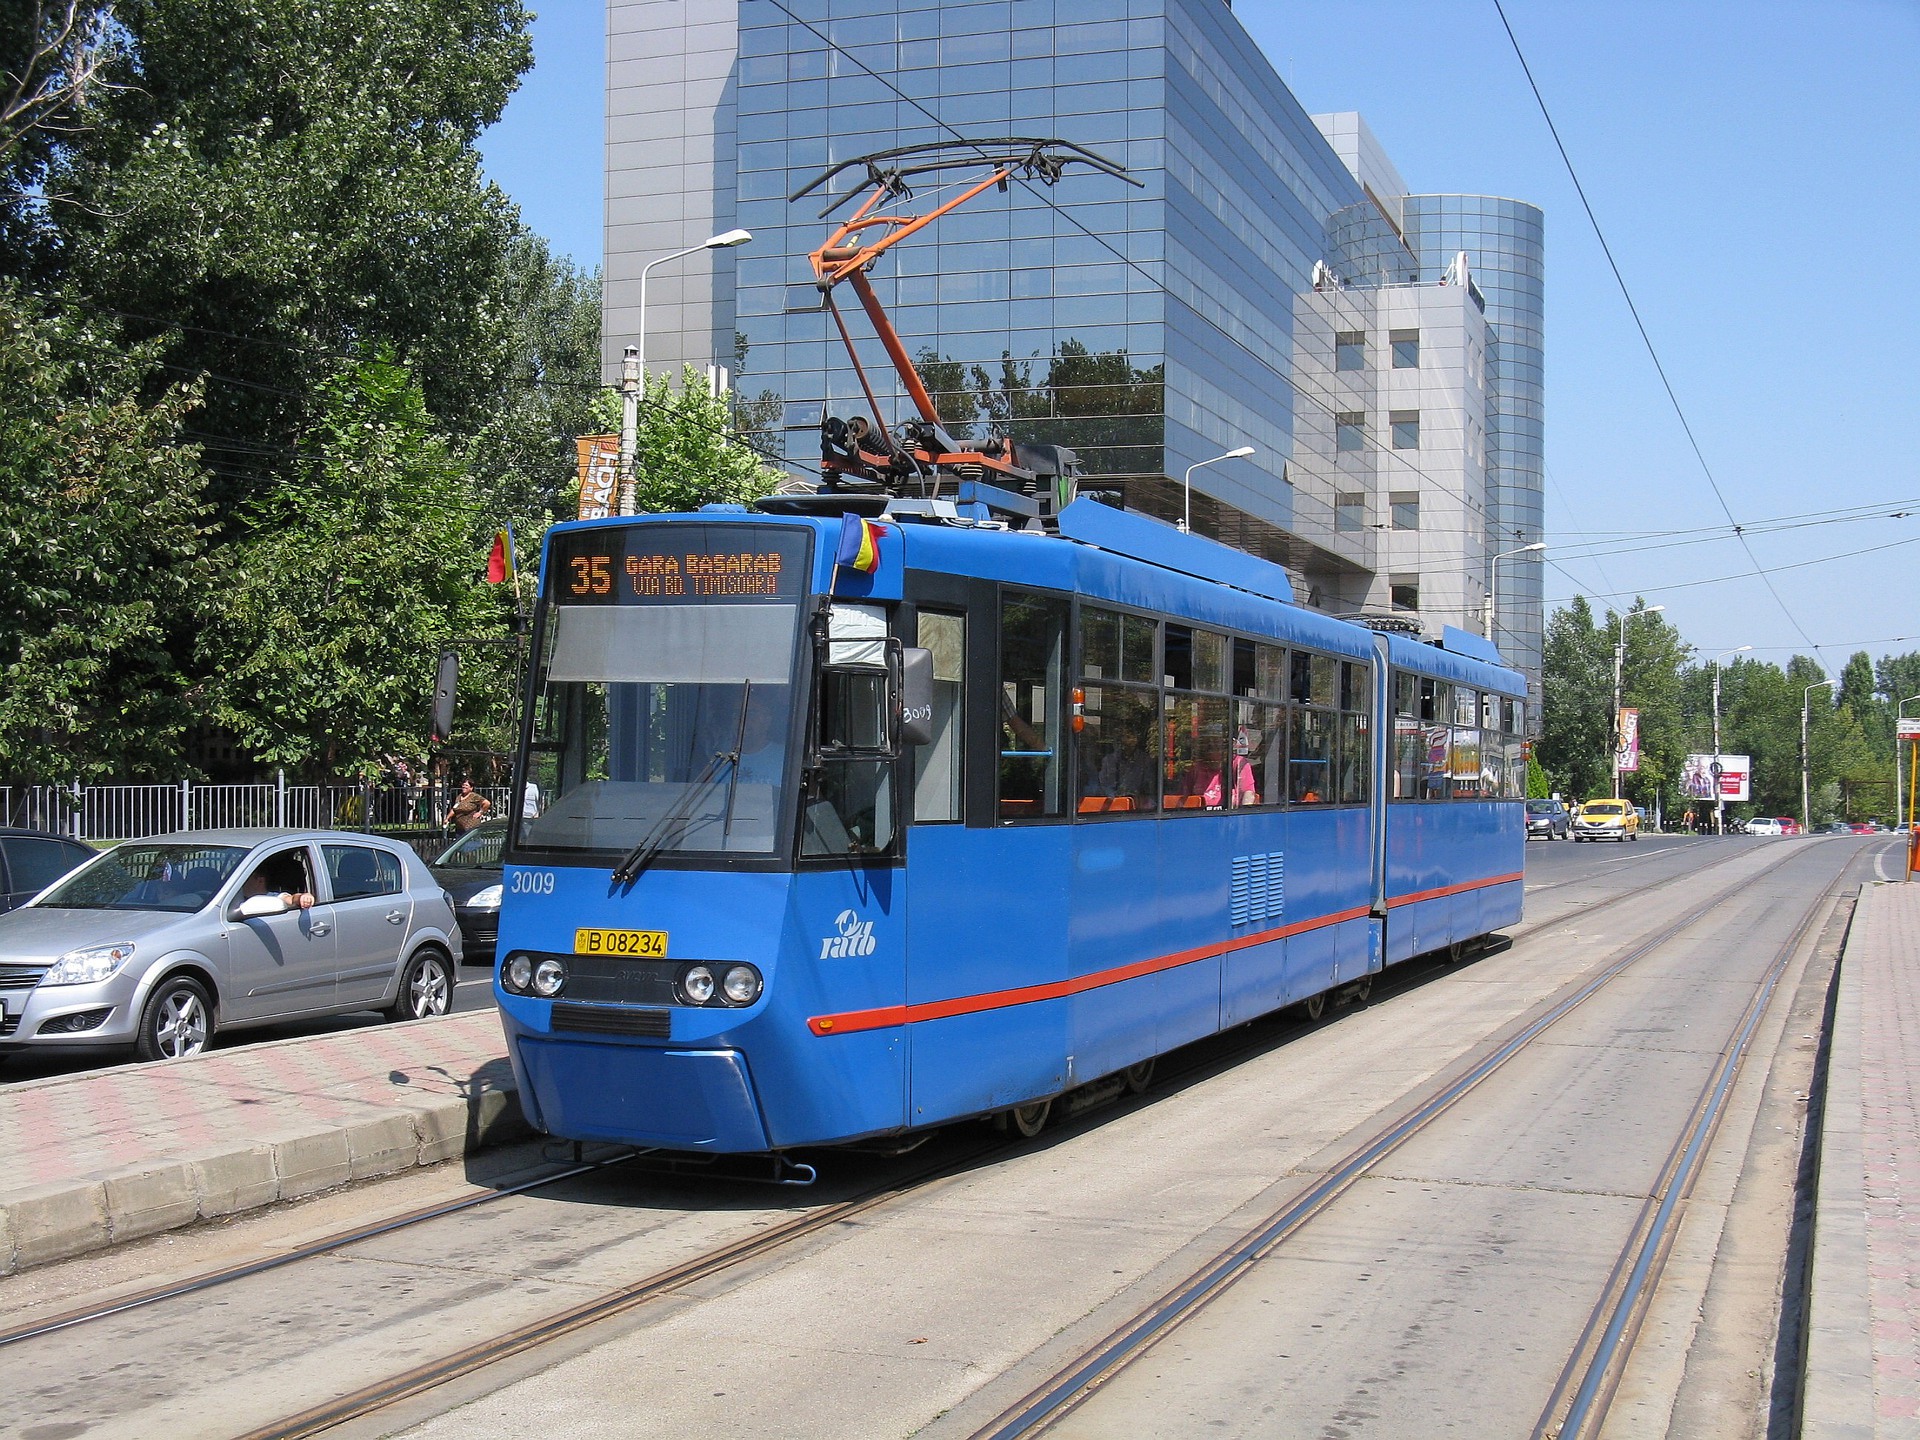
(647, 944)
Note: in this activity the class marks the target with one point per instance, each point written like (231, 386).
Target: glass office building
(1149, 326)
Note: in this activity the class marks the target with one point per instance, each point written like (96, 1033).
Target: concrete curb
(1837, 1389)
(67, 1218)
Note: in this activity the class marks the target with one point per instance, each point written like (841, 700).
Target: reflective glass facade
(1506, 254)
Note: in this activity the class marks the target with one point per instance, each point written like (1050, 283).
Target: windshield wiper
(669, 825)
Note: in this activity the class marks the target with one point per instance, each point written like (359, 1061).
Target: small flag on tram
(859, 544)
(500, 558)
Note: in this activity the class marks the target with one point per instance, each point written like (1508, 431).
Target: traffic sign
(1910, 729)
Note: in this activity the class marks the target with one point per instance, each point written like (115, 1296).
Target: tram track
(1578, 1405)
(395, 1389)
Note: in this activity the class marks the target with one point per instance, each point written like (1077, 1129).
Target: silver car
(160, 943)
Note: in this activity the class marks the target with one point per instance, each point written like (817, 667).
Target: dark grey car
(31, 860)
(471, 870)
(1548, 819)
(157, 944)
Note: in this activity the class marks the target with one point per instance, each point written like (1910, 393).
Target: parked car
(31, 860)
(160, 944)
(1841, 827)
(1548, 819)
(1789, 825)
(1865, 827)
(470, 870)
(1606, 820)
(1764, 825)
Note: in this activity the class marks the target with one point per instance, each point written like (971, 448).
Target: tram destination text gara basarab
(861, 852)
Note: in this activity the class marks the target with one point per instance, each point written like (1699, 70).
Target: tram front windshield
(665, 651)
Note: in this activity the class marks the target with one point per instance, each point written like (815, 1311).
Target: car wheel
(177, 1022)
(426, 989)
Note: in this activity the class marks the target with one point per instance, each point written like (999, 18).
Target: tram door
(985, 853)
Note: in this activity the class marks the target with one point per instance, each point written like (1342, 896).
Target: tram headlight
(517, 974)
(549, 977)
(697, 984)
(741, 985)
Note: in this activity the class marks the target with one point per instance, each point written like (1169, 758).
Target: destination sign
(678, 565)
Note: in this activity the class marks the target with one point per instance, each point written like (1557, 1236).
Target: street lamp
(1240, 453)
(1806, 700)
(1619, 659)
(1719, 796)
(1493, 583)
(633, 364)
(1900, 765)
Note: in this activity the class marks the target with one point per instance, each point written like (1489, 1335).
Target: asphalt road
(1442, 1293)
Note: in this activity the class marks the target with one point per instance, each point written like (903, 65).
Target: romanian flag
(500, 558)
(859, 544)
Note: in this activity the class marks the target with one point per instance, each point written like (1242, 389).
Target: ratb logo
(855, 937)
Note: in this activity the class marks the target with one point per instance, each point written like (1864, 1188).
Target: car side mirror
(260, 907)
(916, 696)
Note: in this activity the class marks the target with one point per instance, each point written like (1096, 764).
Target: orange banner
(598, 458)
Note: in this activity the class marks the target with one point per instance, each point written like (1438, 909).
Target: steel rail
(1074, 1383)
(227, 1274)
(1599, 1357)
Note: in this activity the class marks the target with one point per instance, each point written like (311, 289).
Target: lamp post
(1899, 767)
(1619, 660)
(1493, 584)
(634, 364)
(1806, 700)
(1239, 453)
(1719, 796)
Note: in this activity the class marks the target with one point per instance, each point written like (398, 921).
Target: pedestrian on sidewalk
(470, 810)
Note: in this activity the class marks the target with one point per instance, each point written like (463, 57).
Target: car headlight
(487, 899)
(90, 965)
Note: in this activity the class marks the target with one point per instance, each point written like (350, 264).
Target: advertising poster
(1725, 777)
(1628, 756)
(598, 458)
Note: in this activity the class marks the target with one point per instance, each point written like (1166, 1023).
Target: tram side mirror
(916, 696)
(446, 681)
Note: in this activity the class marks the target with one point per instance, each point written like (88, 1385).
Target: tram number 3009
(531, 882)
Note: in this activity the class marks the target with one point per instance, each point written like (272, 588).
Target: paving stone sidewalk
(89, 1160)
(1863, 1352)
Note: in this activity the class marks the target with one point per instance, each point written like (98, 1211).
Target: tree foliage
(685, 452)
(358, 569)
(101, 516)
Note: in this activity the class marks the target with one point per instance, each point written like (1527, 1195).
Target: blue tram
(825, 853)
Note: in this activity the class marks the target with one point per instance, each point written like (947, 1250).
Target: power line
(1640, 325)
(1728, 579)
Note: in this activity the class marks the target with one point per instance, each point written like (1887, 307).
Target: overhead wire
(1647, 339)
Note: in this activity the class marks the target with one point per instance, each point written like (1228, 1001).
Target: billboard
(1726, 777)
(1627, 757)
(598, 459)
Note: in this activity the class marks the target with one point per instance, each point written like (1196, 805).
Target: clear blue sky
(1756, 168)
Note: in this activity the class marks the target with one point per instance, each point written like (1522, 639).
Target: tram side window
(1516, 769)
(937, 765)
(1409, 750)
(1310, 757)
(1202, 772)
(1464, 763)
(1032, 638)
(1119, 769)
(1355, 760)
(1114, 646)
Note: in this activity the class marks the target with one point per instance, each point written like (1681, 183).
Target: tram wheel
(1457, 951)
(1315, 1006)
(1362, 992)
(1027, 1121)
(1139, 1077)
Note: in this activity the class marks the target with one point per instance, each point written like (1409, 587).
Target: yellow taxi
(1606, 820)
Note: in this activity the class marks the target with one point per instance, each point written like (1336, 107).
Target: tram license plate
(647, 944)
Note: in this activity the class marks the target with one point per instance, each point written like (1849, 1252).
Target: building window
(1349, 349)
(1406, 509)
(1350, 430)
(1406, 349)
(1350, 512)
(1406, 429)
(1404, 590)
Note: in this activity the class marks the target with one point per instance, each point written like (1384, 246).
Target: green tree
(358, 570)
(686, 454)
(272, 185)
(101, 516)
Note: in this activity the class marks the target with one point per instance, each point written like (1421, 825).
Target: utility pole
(629, 427)
(1619, 662)
(1900, 764)
(1806, 700)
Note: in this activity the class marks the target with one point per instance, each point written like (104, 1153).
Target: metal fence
(133, 812)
